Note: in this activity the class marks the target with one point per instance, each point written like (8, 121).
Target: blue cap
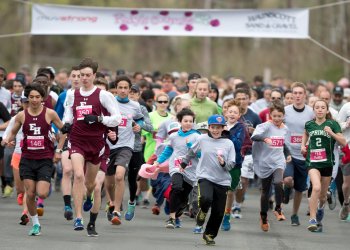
(216, 119)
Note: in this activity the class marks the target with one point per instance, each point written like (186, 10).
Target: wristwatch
(58, 150)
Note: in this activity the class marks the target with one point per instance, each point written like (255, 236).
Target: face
(2, 76)
(243, 98)
(233, 114)
(43, 81)
(191, 85)
(224, 109)
(277, 117)
(216, 130)
(320, 109)
(167, 84)
(123, 89)
(312, 101)
(276, 96)
(212, 95)
(74, 78)
(202, 91)
(35, 99)
(299, 95)
(113, 91)
(267, 95)
(87, 77)
(337, 99)
(162, 103)
(187, 123)
(288, 99)
(326, 96)
(183, 104)
(150, 103)
(17, 88)
(62, 79)
(134, 96)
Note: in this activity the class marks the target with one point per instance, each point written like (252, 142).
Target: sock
(88, 197)
(131, 203)
(67, 200)
(237, 205)
(35, 220)
(227, 210)
(93, 218)
(111, 209)
(277, 207)
(40, 200)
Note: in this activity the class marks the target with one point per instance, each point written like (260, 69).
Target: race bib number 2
(83, 110)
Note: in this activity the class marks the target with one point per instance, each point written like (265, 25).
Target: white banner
(78, 20)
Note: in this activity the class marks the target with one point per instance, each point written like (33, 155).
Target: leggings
(180, 190)
(134, 166)
(276, 178)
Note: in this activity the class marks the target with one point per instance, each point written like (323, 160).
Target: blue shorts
(297, 169)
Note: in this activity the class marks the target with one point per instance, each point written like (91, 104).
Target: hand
(66, 128)
(304, 151)
(268, 141)
(221, 160)
(328, 130)
(112, 135)
(136, 128)
(90, 119)
(289, 158)
(251, 130)
(57, 157)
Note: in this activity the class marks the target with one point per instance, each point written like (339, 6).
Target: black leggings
(134, 166)
(276, 178)
(214, 196)
(180, 190)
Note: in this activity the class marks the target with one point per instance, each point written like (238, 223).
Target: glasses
(276, 98)
(162, 102)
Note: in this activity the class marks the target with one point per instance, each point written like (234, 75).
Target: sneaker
(319, 214)
(200, 218)
(286, 194)
(116, 218)
(40, 209)
(78, 224)
(91, 231)
(145, 203)
(20, 197)
(319, 228)
(279, 215)
(312, 225)
(178, 223)
(109, 212)
(155, 210)
(208, 239)
(129, 215)
(24, 219)
(35, 231)
(197, 229)
(331, 199)
(344, 212)
(68, 213)
(88, 203)
(226, 225)
(264, 225)
(8, 190)
(170, 223)
(295, 220)
(236, 213)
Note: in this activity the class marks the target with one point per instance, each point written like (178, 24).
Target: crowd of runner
(194, 144)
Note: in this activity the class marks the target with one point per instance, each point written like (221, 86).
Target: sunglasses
(276, 98)
(162, 102)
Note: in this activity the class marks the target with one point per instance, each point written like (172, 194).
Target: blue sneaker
(312, 225)
(198, 230)
(68, 213)
(236, 213)
(78, 224)
(35, 231)
(319, 214)
(226, 225)
(130, 213)
(88, 203)
(177, 223)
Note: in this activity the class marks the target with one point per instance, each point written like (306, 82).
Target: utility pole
(25, 48)
(206, 62)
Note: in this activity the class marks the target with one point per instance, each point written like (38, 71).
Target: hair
(88, 63)
(118, 79)
(161, 94)
(43, 75)
(328, 115)
(147, 94)
(137, 73)
(176, 102)
(287, 92)
(5, 72)
(242, 91)
(101, 81)
(99, 74)
(34, 86)
(277, 90)
(298, 84)
(143, 84)
(278, 106)
(73, 68)
(199, 81)
(242, 85)
(9, 84)
(258, 79)
(233, 102)
(214, 87)
(45, 71)
(185, 112)
(167, 76)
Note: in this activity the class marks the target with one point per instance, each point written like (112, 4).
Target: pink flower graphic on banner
(166, 27)
(134, 12)
(188, 27)
(164, 13)
(146, 27)
(123, 27)
(215, 22)
(188, 13)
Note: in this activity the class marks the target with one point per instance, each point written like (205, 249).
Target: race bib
(318, 155)
(83, 110)
(124, 122)
(277, 142)
(296, 139)
(35, 142)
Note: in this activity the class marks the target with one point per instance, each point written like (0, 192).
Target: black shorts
(325, 172)
(36, 170)
(118, 157)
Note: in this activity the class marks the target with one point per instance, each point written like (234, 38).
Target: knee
(79, 177)
(119, 177)
(30, 194)
(288, 181)
(205, 201)
(67, 172)
(43, 194)
(90, 185)
(316, 189)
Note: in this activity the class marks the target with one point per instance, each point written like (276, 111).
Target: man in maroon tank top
(36, 165)
(84, 110)
(48, 101)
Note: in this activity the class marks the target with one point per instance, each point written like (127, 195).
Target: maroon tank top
(48, 102)
(36, 137)
(84, 105)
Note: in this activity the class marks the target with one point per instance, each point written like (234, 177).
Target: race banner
(79, 20)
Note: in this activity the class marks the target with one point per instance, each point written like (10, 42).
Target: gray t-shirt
(146, 125)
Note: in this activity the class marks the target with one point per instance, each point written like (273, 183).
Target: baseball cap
(135, 88)
(216, 120)
(202, 126)
(173, 127)
(193, 76)
(338, 90)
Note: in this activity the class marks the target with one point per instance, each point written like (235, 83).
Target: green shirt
(203, 109)
(321, 144)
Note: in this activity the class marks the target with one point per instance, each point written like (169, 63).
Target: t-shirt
(203, 109)
(4, 116)
(321, 144)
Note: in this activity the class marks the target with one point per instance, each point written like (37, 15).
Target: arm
(259, 132)
(167, 152)
(9, 127)
(5, 116)
(231, 161)
(304, 142)
(16, 127)
(336, 136)
(238, 138)
(68, 108)
(110, 103)
(147, 125)
(342, 117)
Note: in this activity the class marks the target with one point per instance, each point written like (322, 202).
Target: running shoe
(331, 199)
(155, 210)
(344, 212)
(200, 218)
(208, 238)
(24, 219)
(68, 213)
(116, 218)
(145, 203)
(40, 209)
(264, 224)
(197, 229)
(20, 197)
(312, 225)
(8, 190)
(170, 223)
(88, 203)
(226, 225)
(178, 223)
(236, 213)
(319, 214)
(78, 224)
(286, 194)
(35, 231)
(279, 214)
(295, 220)
(109, 212)
(91, 231)
(130, 213)
(319, 228)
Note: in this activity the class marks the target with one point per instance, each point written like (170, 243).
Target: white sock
(237, 205)
(35, 219)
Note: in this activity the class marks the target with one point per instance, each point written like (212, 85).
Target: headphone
(5, 72)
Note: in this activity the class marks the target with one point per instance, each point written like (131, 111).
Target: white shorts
(247, 170)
